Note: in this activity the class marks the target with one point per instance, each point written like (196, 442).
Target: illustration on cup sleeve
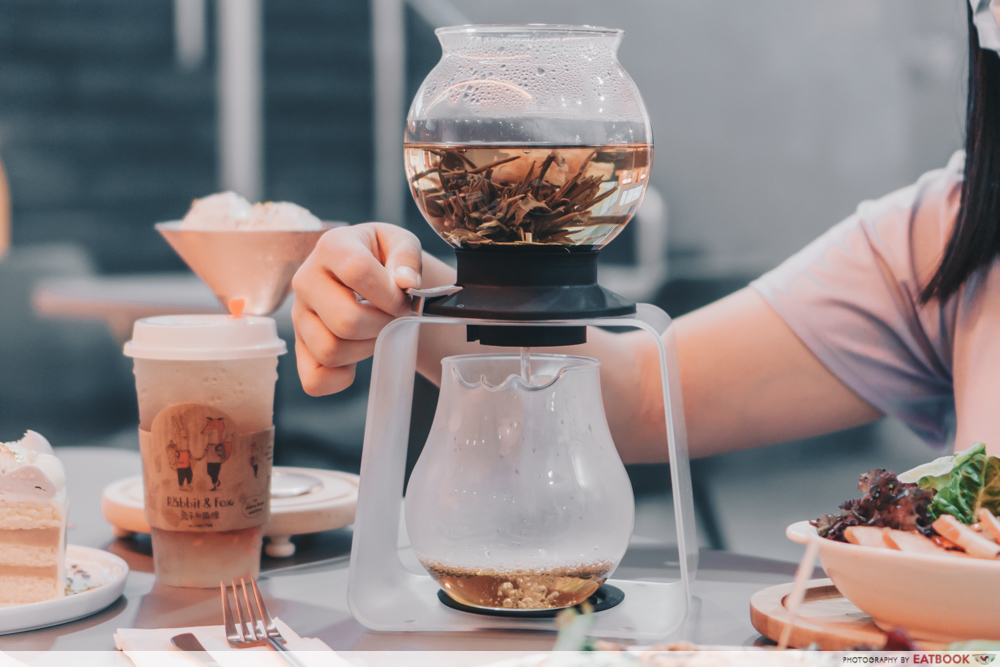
(179, 453)
(218, 448)
(189, 481)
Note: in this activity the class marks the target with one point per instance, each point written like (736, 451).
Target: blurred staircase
(318, 106)
(103, 134)
(100, 133)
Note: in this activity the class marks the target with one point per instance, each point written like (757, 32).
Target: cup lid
(204, 338)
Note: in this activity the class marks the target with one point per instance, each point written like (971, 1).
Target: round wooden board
(330, 505)
(825, 618)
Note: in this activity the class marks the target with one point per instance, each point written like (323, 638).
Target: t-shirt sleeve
(853, 298)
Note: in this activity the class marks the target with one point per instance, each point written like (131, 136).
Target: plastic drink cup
(205, 385)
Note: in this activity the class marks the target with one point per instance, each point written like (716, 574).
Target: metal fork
(253, 625)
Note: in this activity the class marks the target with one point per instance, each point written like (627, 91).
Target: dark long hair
(975, 240)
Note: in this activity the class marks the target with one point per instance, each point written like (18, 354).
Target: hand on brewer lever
(334, 330)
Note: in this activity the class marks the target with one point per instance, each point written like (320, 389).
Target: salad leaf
(885, 503)
(973, 482)
(935, 474)
(963, 483)
(574, 628)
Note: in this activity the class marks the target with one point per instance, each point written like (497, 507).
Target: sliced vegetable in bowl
(915, 543)
(970, 541)
(989, 523)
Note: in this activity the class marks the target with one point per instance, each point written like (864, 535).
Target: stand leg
(280, 546)
(375, 564)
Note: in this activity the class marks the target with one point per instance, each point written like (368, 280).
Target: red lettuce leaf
(886, 503)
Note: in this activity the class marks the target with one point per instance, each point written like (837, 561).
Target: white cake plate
(329, 504)
(96, 579)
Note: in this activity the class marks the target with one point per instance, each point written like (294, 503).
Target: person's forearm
(746, 379)
(749, 381)
(632, 392)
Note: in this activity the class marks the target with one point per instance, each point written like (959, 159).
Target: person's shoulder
(913, 224)
(934, 192)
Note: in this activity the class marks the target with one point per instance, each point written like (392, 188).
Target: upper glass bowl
(528, 136)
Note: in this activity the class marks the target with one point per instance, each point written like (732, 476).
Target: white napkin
(152, 648)
(9, 661)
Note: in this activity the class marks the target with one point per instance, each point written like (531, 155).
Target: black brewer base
(529, 284)
(521, 336)
(606, 597)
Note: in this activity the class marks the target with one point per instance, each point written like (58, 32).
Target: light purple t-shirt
(853, 297)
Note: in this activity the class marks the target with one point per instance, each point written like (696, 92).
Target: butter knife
(188, 642)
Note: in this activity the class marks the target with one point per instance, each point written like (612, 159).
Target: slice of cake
(32, 521)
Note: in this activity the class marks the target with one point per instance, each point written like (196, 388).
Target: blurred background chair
(66, 379)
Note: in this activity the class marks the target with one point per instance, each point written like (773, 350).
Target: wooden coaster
(326, 506)
(826, 618)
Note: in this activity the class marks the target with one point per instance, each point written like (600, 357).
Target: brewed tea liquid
(475, 195)
(521, 589)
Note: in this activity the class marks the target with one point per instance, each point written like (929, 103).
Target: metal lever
(420, 296)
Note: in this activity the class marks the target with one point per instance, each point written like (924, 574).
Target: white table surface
(309, 593)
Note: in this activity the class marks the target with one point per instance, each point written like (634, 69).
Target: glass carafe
(529, 136)
(519, 499)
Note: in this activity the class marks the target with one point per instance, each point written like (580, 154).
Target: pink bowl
(938, 598)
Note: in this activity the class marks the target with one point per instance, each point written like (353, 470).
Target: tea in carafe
(521, 589)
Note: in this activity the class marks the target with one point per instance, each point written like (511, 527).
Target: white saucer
(96, 579)
(328, 506)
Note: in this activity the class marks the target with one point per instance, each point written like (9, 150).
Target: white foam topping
(222, 211)
(282, 215)
(29, 469)
(227, 211)
(36, 442)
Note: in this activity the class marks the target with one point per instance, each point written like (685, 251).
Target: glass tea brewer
(527, 149)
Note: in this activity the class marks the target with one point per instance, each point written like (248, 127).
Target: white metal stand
(389, 591)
